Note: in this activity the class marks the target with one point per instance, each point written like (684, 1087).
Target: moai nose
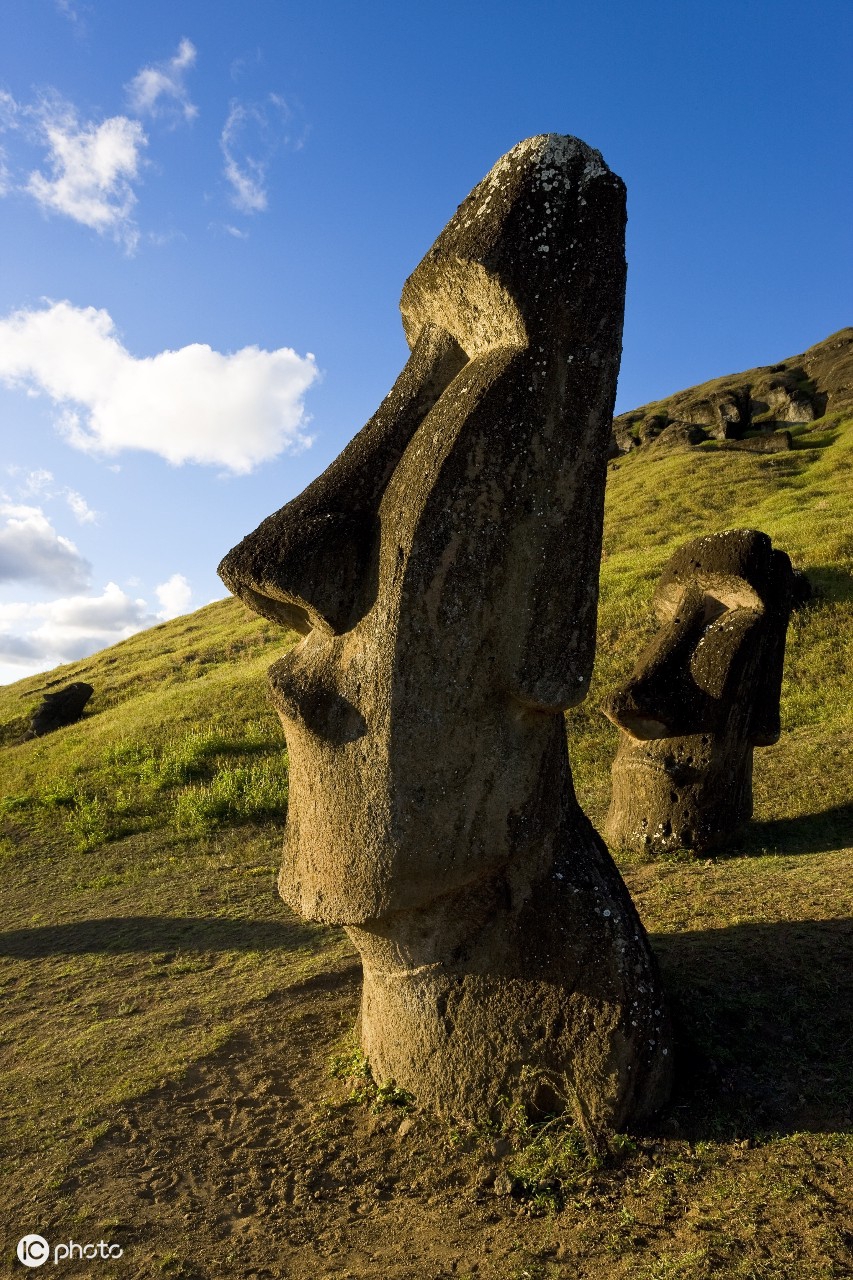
(313, 563)
(661, 699)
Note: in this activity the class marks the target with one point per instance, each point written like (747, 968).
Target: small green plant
(550, 1157)
(352, 1066)
(390, 1094)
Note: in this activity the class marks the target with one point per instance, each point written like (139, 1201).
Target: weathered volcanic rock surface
(446, 630)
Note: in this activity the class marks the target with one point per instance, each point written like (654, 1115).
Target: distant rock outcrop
(797, 390)
(60, 708)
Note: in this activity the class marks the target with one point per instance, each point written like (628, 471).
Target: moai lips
(443, 572)
(702, 695)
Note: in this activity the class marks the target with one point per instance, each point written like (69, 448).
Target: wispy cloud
(232, 410)
(35, 483)
(72, 10)
(245, 172)
(253, 133)
(10, 112)
(92, 167)
(80, 508)
(32, 551)
(10, 119)
(41, 484)
(160, 90)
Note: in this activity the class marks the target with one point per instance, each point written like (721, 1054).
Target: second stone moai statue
(704, 692)
(443, 573)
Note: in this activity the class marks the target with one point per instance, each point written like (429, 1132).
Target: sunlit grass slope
(656, 501)
(138, 848)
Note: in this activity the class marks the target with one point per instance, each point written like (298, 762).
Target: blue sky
(208, 210)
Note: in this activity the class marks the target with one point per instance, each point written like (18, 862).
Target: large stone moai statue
(443, 572)
(703, 693)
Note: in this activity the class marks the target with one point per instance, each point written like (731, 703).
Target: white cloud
(174, 596)
(191, 405)
(40, 636)
(41, 484)
(9, 111)
(92, 168)
(36, 483)
(160, 90)
(9, 121)
(32, 551)
(246, 172)
(70, 10)
(15, 649)
(252, 134)
(80, 508)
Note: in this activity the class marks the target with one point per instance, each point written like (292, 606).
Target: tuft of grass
(352, 1067)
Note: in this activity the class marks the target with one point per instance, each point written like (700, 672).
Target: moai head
(444, 569)
(703, 693)
(443, 573)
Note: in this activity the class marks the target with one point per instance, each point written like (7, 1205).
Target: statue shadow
(122, 934)
(763, 1019)
(830, 582)
(809, 833)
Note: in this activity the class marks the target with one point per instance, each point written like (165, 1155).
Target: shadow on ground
(157, 933)
(808, 833)
(830, 582)
(763, 1017)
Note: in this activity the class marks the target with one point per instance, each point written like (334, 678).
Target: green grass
(141, 927)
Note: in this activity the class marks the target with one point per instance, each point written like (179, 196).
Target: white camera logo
(33, 1250)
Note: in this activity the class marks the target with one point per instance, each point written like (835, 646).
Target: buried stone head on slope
(704, 692)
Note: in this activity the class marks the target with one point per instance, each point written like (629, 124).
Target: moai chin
(443, 573)
(702, 695)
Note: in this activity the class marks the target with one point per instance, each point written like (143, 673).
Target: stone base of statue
(537, 985)
(693, 792)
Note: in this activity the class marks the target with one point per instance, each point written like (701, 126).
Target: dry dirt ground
(253, 1165)
(247, 1171)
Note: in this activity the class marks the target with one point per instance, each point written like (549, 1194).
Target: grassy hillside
(166, 1021)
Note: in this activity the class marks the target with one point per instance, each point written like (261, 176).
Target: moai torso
(702, 695)
(443, 572)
